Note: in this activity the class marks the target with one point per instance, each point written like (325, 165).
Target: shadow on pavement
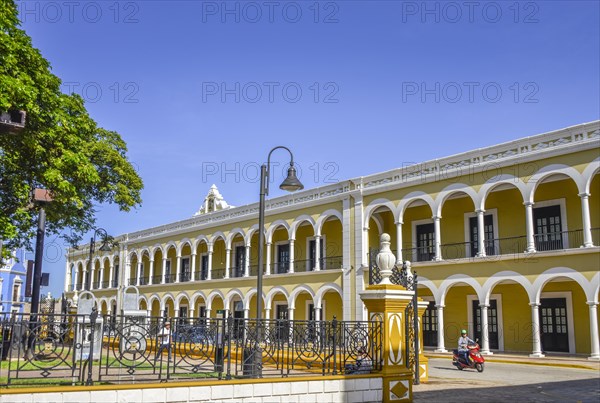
(586, 390)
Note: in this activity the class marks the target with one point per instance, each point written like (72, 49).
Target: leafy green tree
(61, 149)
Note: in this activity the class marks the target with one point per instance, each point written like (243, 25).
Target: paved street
(508, 382)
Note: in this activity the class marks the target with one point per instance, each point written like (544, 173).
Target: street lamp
(291, 184)
(106, 246)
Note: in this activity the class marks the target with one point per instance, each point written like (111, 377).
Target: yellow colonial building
(504, 240)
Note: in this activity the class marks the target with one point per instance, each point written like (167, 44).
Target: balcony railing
(280, 267)
(254, 270)
(201, 274)
(144, 280)
(132, 281)
(157, 279)
(105, 284)
(331, 262)
(502, 246)
(115, 283)
(218, 274)
(236, 271)
(170, 278)
(184, 277)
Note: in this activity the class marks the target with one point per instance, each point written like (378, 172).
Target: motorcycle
(476, 360)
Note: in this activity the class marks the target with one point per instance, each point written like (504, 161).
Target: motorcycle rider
(463, 342)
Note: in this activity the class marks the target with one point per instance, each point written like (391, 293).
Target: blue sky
(202, 90)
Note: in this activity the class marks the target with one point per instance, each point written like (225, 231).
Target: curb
(509, 361)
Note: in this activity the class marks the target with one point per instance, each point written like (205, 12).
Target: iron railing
(332, 262)
(254, 270)
(132, 281)
(144, 280)
(185, 276)
(157, 279)
(236, 271)
(170, 278)
(218, 274)
(60, 349)
(280, 267)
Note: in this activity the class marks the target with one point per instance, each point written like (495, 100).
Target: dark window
(168, 272)
(488, 228)
(185, 269)
(430, 326)
(240, 261)
(553, 322)
(425, 242)
(283, 326)
(548, 228)
(283, 258)
(204, 267)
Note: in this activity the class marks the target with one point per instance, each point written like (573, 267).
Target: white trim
(562, 203)
(307, 309)
(468, 241)
(500, 318)
(570, 325)
(414, 225)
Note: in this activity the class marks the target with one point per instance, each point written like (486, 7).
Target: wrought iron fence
(88, 349)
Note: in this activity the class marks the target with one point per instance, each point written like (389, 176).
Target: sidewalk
(551, 359)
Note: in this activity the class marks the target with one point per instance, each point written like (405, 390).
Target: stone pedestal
(423, 361)
(386, 303)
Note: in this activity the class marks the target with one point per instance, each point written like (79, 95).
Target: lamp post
(291, 184)
(104, 248)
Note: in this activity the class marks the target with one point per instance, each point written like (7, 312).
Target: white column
(535, 322)
(291, 255)
(480, 233)
(399, 242)
(101, 276)
(529, 227)
(317, 314)
(227, 262)
(594, 330)
(68, 273)
(192, 313)
(76, 278)
(193, 266)
(209, 263)
(247, 262)
(438, 237)
(111, 274)
(139, 272)
(268, 261)
(485, 333)
(178, 269)
(151, 272)
(267, 313)
(317, 252)
(164, 270)
(441, 347)
(246, 313)
(207, 313)
(585, 215)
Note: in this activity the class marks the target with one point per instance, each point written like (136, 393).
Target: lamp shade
(291, 183)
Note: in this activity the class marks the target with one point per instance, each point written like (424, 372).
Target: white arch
(182, 243)
(273, 227)
(424, 281)
(168, 246)
(202, 238)
(182, 295)
(375, 204)
(557, 272)
(144, 250)
(272, 292)
(324, 217)
(217, 235)
(589, 172)
(323, 289)
(165, 298)
(411, 197)
(449, 191)
(154, 297)
(211, 297)
(506, 275)
(156, 248)
(456, 279)
(196, 295)
(248, 297)
(140, 299)
(298, 290)
(299, 220)
(229, 298)
(378, 223)
(250, 233)
(498, 180)
(595, 285)
(232, 234)
(553, 169)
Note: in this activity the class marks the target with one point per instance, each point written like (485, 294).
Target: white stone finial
(385, 259)
(75, 299)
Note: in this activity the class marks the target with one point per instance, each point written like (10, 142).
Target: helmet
(463, 331)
